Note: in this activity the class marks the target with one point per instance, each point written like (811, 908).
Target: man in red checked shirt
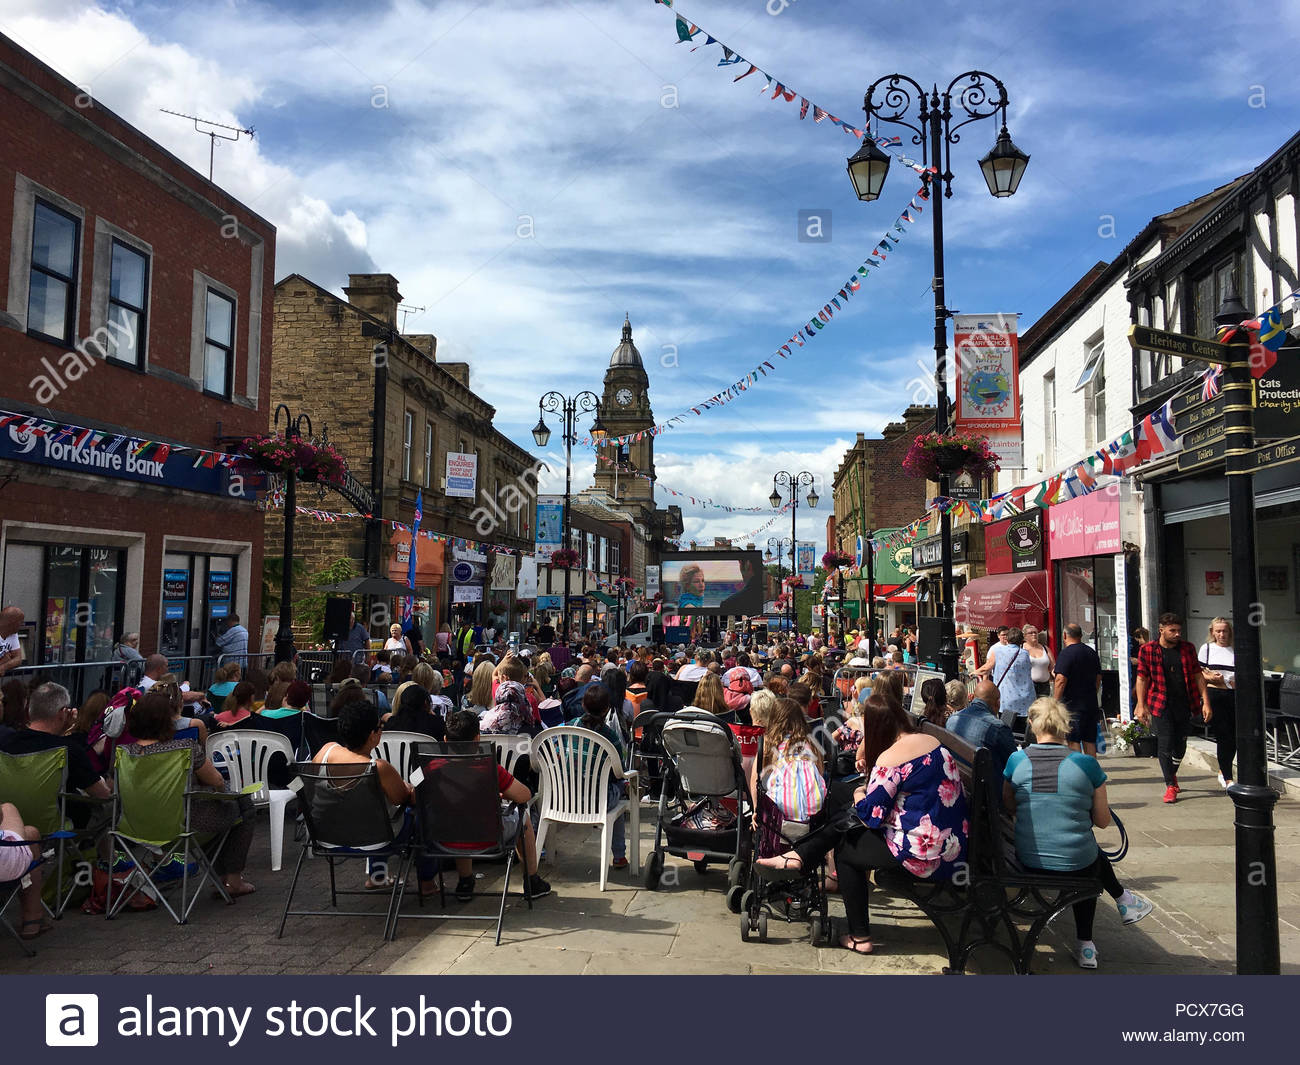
(1169, 680)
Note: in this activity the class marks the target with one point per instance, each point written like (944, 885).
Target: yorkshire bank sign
(177, 470)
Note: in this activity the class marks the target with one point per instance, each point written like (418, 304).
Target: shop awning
(903, 593)
(1013, 599)
(608, 600)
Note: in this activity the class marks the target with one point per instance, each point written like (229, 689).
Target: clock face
(624, 397)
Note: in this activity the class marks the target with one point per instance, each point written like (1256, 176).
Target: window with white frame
(1092, 383)
(408, 428)
(428, 454)
(128, 297)
(218, 344)
(52, 287)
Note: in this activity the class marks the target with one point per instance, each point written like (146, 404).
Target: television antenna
(212, 133)
(409, 308)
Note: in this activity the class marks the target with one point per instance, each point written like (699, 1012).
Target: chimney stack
(375, 294)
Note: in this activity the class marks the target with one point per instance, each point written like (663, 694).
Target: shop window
(218, 344)
(81, 603)
(52, 289)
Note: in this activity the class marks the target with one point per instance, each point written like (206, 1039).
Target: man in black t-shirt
(1077, 682)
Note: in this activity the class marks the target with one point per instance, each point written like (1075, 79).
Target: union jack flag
(1210, 382)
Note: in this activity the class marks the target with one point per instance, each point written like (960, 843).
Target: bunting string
(78, 436)
(688, 31)
(801, 336)
(628, 472)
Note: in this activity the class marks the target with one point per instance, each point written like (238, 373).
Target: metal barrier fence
(313, 666)
(82, 678)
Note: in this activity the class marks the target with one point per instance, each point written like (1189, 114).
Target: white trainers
(1086, 954)
(1224, 783)
(1135, 909)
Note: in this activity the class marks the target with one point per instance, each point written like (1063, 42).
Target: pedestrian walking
(1009, 667)
(1078, 682)
(1170, 683)
(1040, 661)
(1218, 665)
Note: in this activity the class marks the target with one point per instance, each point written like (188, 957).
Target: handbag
(1014, 659)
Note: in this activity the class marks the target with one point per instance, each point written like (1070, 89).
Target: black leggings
(857, 852)
(1171, 744)
(1223, 703)
(1085, 911)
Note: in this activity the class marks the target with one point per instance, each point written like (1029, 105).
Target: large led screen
(713, 583)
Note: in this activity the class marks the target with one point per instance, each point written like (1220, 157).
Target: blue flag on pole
(408, 608)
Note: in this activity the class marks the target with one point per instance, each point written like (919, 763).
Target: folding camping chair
(457, 801)
(153, 805)
(10, 889)
(318, 731)
(37, 784)
(346, 814)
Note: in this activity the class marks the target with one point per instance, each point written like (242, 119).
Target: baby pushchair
(704, 811)
(792, 897)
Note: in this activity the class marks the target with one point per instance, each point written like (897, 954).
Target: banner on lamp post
(986, 378)
(806, 561)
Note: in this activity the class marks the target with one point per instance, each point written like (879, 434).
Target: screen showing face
(713, 584)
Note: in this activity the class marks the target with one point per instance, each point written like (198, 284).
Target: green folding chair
(37, 784)
(151, 825)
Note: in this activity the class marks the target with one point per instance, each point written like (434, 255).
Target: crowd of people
(908, 809)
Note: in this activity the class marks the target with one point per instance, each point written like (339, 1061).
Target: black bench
(998, 903)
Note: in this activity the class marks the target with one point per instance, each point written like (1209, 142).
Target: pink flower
(925, 760)
(948, 792)
(917, 867)
(877, 812)
(904, 771)
(950, 769)
(926, 839)
(965, 828)
(951, 848)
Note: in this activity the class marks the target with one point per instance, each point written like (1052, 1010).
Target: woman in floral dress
(911, 811)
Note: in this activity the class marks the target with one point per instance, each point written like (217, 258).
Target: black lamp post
(776, 546)
(284, 634)
(979, 96)
(1258, 945)
(793, 482)
(568, 408)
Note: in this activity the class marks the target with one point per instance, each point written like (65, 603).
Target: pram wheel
(819, 932)
(735, 872)
(654, 870)
(744, 927)
(747, 901)
(701, 867)
(734, 895)
(762, 927)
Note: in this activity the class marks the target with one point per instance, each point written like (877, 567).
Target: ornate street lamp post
(568, 408)
(978, 95)
(793, 482)
(284, 634)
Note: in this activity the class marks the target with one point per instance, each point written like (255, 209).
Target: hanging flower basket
(932, 456)
(564, 558)
(523, 607)
(310, 462)
(836, 559)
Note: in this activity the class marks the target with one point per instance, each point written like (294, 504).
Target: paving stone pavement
(1181, 857)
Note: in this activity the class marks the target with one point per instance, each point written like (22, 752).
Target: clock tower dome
(625, 410)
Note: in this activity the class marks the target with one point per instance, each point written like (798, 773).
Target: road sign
(1203, 434)
(1275, 454)
(1198, 416)
(1187, 400)
(1192, 458)
(1180, 344)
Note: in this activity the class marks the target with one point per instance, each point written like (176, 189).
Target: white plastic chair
(510, 748)
(575, 767)
(245, 753)
(395, 748)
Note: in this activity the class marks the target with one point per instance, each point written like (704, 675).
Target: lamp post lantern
(977, 95)
(568, 408)
(284, 650)
(793, 482)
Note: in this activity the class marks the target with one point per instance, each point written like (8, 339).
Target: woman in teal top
(1057, 795)
(296, 698)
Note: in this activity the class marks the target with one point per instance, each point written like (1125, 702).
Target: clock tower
(625, 410)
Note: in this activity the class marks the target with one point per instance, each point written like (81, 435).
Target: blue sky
(644, 181)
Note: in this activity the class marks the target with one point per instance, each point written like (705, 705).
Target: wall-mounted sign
(219, 594)
(1277, 397)
(462, 475)
(176, 593)
(467, 593)
(929, 553)
(1014, 545)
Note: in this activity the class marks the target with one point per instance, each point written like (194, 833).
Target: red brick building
(135, 330)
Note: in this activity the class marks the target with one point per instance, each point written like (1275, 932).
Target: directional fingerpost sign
(1203, 434)
(1195, 417)
(1277, 453)
(1193, 458)
(1143, 337)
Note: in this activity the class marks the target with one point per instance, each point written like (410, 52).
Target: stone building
(342, 360)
